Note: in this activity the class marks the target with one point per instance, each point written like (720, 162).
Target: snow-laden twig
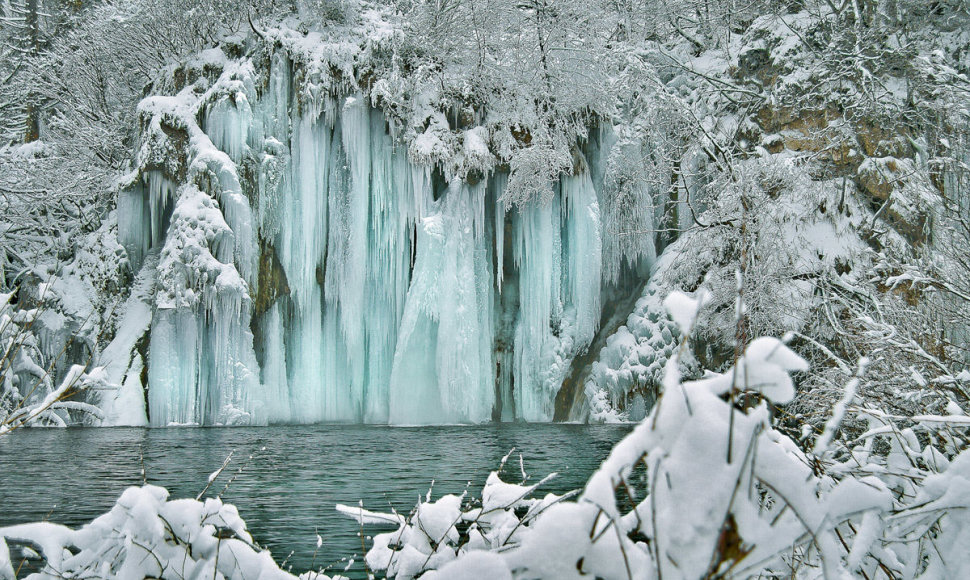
(838, 413)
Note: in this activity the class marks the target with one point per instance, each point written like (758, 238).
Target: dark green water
(287, 492)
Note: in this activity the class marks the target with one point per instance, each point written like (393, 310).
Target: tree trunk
(32, 21)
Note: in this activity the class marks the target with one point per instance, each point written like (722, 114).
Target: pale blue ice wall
(391, 288)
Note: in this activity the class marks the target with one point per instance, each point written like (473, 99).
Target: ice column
(202, 369)
(349, 211)
(443, 368)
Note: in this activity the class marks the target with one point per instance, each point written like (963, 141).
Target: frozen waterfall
(310, 271)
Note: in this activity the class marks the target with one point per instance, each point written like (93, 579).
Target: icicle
(173, 368)
(582, 255)
(346, 250)
(269, 136)
(558, 251)
(537, 254)
(202, 368)
(275, 389)
(353, 210)
(161, 195)
(303, 242)
(143, 215)
(227, 123)
(498, 183)
(134, 231)
(392, 210)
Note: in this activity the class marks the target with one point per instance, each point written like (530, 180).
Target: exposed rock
(907, 197)
(877, 177)
(876, 140)
(773, 143)
(818, 131)
(755, 62)
(272, 283)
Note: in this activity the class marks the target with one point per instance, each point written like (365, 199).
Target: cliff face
(329, 233)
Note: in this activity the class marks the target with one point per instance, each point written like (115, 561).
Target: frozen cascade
(537, 255)
(558, 250)
(582, 254)
(310, 271)
(349, 201)
(301, 245)
(202, 368)
(443, 369)
(275, 395)
(149, 203)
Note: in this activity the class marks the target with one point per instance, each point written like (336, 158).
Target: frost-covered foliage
(813, 159)
(55, 321)
(765, 221)
(145, 535)
(81, 81)
(532, 75)
(811, 258)
(885, 68)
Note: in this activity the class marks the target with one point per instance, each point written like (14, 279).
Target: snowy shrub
(146, 536)
(765, 222)
(436, 532)
(805, 249)
(534, 168)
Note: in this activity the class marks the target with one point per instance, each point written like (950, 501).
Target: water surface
(287, 491)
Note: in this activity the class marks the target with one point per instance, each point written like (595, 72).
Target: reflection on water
(287, 491)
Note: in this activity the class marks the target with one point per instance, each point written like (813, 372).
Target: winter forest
(728, 240)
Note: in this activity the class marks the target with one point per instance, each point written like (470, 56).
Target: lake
(287, 491)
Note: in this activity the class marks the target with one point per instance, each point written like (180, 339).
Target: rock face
(851, 139)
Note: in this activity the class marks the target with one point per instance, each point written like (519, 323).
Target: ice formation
(314, 268)
(629, 369)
